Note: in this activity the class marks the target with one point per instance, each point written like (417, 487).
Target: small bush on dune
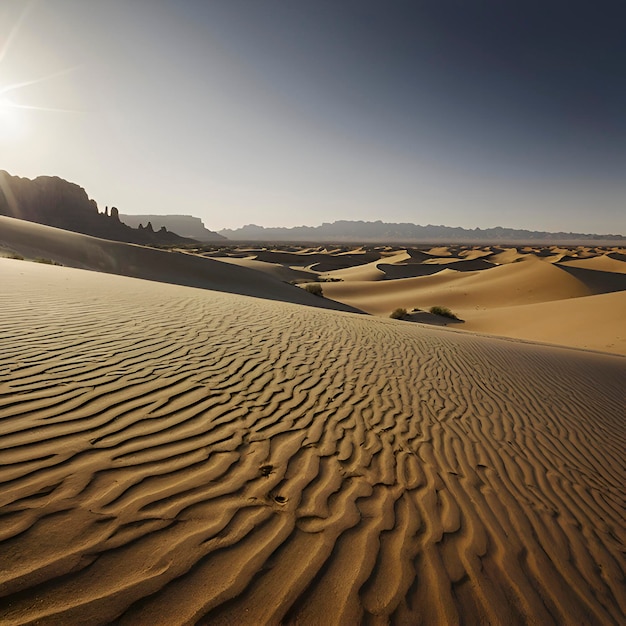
(17, 257)
(444, 311)
(330, 279)
(46, 261)
(398, 314)
(315, 289)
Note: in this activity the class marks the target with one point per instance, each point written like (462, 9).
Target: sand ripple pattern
(177, 456)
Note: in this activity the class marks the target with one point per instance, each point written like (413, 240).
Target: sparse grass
(444, 311)
(315, 289)
(321, 279)
(14, 255)
(398, 314)
(46, 261)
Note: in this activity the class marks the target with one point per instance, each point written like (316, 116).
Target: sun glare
(10, 118)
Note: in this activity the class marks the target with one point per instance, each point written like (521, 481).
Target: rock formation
(52, 201)
(183, 225)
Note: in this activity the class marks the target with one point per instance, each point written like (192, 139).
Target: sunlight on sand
(198, 453)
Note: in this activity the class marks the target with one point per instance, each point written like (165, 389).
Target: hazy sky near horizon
(285, 112)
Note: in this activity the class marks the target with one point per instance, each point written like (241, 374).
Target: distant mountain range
(52, 201)
(183, 225)
(382, 232)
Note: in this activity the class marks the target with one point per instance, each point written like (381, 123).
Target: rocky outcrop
(52, 201)
(184, 225)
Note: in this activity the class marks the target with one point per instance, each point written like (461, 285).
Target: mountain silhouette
(184, 225)
(382, 232)
(53, 201)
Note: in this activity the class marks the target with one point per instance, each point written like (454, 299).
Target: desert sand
(175, 455)
(574, 297)
(35, 241)
(580, 302)
(184, 442)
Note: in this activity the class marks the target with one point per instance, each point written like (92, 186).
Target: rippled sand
(174, 455)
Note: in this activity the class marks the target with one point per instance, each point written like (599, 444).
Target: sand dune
(525, 282)
(526, 297)
(593, 322)
(494, 290)
(473, 281)
(367, 272)
(604, 263)
(374, 270)
(597, 281)
(509, 255)
(440, 251)
(417, 256)
(475, 253)
(323, 261)
(460, 264)
(281, 272)
(176, 455)
(408, 270)
(428, 267)
(84, 252)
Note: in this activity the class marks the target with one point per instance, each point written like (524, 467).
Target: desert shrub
(398, 314)
(46, 261)
(315, 289)
(14, 255)
(444, 311)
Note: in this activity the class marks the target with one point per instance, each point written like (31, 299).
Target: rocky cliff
(184, 225)
(52, 201)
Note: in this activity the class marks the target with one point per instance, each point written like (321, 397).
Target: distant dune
(526, 297)
(174, 455)
(504, 285)
(558, 295)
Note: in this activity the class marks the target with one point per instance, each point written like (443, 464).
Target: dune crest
(174, 455)
(101, 255)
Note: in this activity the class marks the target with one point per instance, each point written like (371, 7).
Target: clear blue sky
(289, 112)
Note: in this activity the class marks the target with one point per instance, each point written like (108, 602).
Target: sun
(17, 115)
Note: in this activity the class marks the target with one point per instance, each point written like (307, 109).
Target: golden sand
(173, 455)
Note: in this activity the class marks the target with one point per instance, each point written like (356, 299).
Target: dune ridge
(174, 455)
(101, 255)
(526, 282)
(591, 322)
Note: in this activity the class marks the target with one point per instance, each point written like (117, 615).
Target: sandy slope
(603, 263)
(369, 271)
(593, 322)
(280, 272)
(81, 251)
(528, 281)
(174, 455)
(579, 303)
